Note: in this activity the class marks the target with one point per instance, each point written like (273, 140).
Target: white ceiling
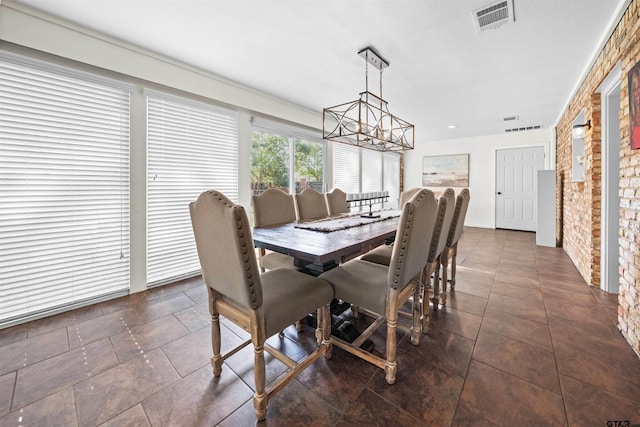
(442, 70)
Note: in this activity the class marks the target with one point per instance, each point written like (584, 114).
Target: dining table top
(322, 250)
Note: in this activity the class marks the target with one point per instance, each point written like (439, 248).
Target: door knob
(499, 192)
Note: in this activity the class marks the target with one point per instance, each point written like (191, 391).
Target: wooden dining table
(319, 251)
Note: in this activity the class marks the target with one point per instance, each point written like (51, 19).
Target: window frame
(292, 133)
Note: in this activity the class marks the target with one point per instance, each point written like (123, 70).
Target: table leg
(341, 328)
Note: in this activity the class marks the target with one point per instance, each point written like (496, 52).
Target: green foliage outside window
(270, 163)
(308, 156)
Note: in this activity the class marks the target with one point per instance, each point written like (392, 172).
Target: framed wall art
(445, 171)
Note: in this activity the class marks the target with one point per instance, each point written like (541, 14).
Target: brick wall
(578, 203)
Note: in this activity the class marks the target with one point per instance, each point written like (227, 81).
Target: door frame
(547, 165)
(609, 86)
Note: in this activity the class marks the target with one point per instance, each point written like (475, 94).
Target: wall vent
(493, 15)
(523, 128)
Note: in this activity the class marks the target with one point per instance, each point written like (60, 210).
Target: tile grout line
(475, 342)
(555, 356)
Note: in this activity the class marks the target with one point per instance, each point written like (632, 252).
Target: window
(308, 165)
(371, 171)
(346, 168)
(285, 157)
(357, 170)
(391, 182)
(64, 188)
(192, 147)
(270, 162)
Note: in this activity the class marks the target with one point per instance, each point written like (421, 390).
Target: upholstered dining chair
(450, 251)
(382, 254)
(432, 270)
(438, 236)
(381, 290)
(311, 205)
(337, 202)
(252, 300)
(271, 208)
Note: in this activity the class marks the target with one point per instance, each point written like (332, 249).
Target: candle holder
(367, 199)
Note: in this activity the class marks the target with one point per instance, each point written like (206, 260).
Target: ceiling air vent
(493, 15)
(524, 128)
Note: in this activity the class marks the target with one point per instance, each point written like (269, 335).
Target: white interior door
(516, 170)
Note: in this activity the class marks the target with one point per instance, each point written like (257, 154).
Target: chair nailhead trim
(245, 253)
(403, 248)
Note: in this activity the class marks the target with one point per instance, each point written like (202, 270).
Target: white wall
(481, 150)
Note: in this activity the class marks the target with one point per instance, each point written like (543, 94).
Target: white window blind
(192, 147)
(64, 188)
(361, 170)
(346, 168)
(391, 164)
(371, 170)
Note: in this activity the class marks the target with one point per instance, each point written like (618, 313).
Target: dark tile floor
(523, 341)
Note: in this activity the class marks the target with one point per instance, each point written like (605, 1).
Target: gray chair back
(225, 248)
(273, 207)
(459, 214)
(406, 195)
(337, 202)
(416, 221)
(443, 224)
(311, 205)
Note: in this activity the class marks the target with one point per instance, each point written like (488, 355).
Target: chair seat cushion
(379, 255)
(290, 295)
(273, 260)
(361, 283)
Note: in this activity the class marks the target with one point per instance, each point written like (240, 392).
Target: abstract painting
(445, 171)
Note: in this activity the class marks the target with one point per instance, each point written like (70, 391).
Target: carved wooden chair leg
(324, 314)
(216, 359)
(436, 286)
(416, 314)
(261, 253)
(425, 318)
(319, 332)
(391, 366)
(443, 293)
(260, 398)
(453, 267)
(423, 298)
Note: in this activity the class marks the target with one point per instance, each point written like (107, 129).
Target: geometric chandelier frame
(367, 121)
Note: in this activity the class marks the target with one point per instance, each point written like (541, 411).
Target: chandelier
(367, 122)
